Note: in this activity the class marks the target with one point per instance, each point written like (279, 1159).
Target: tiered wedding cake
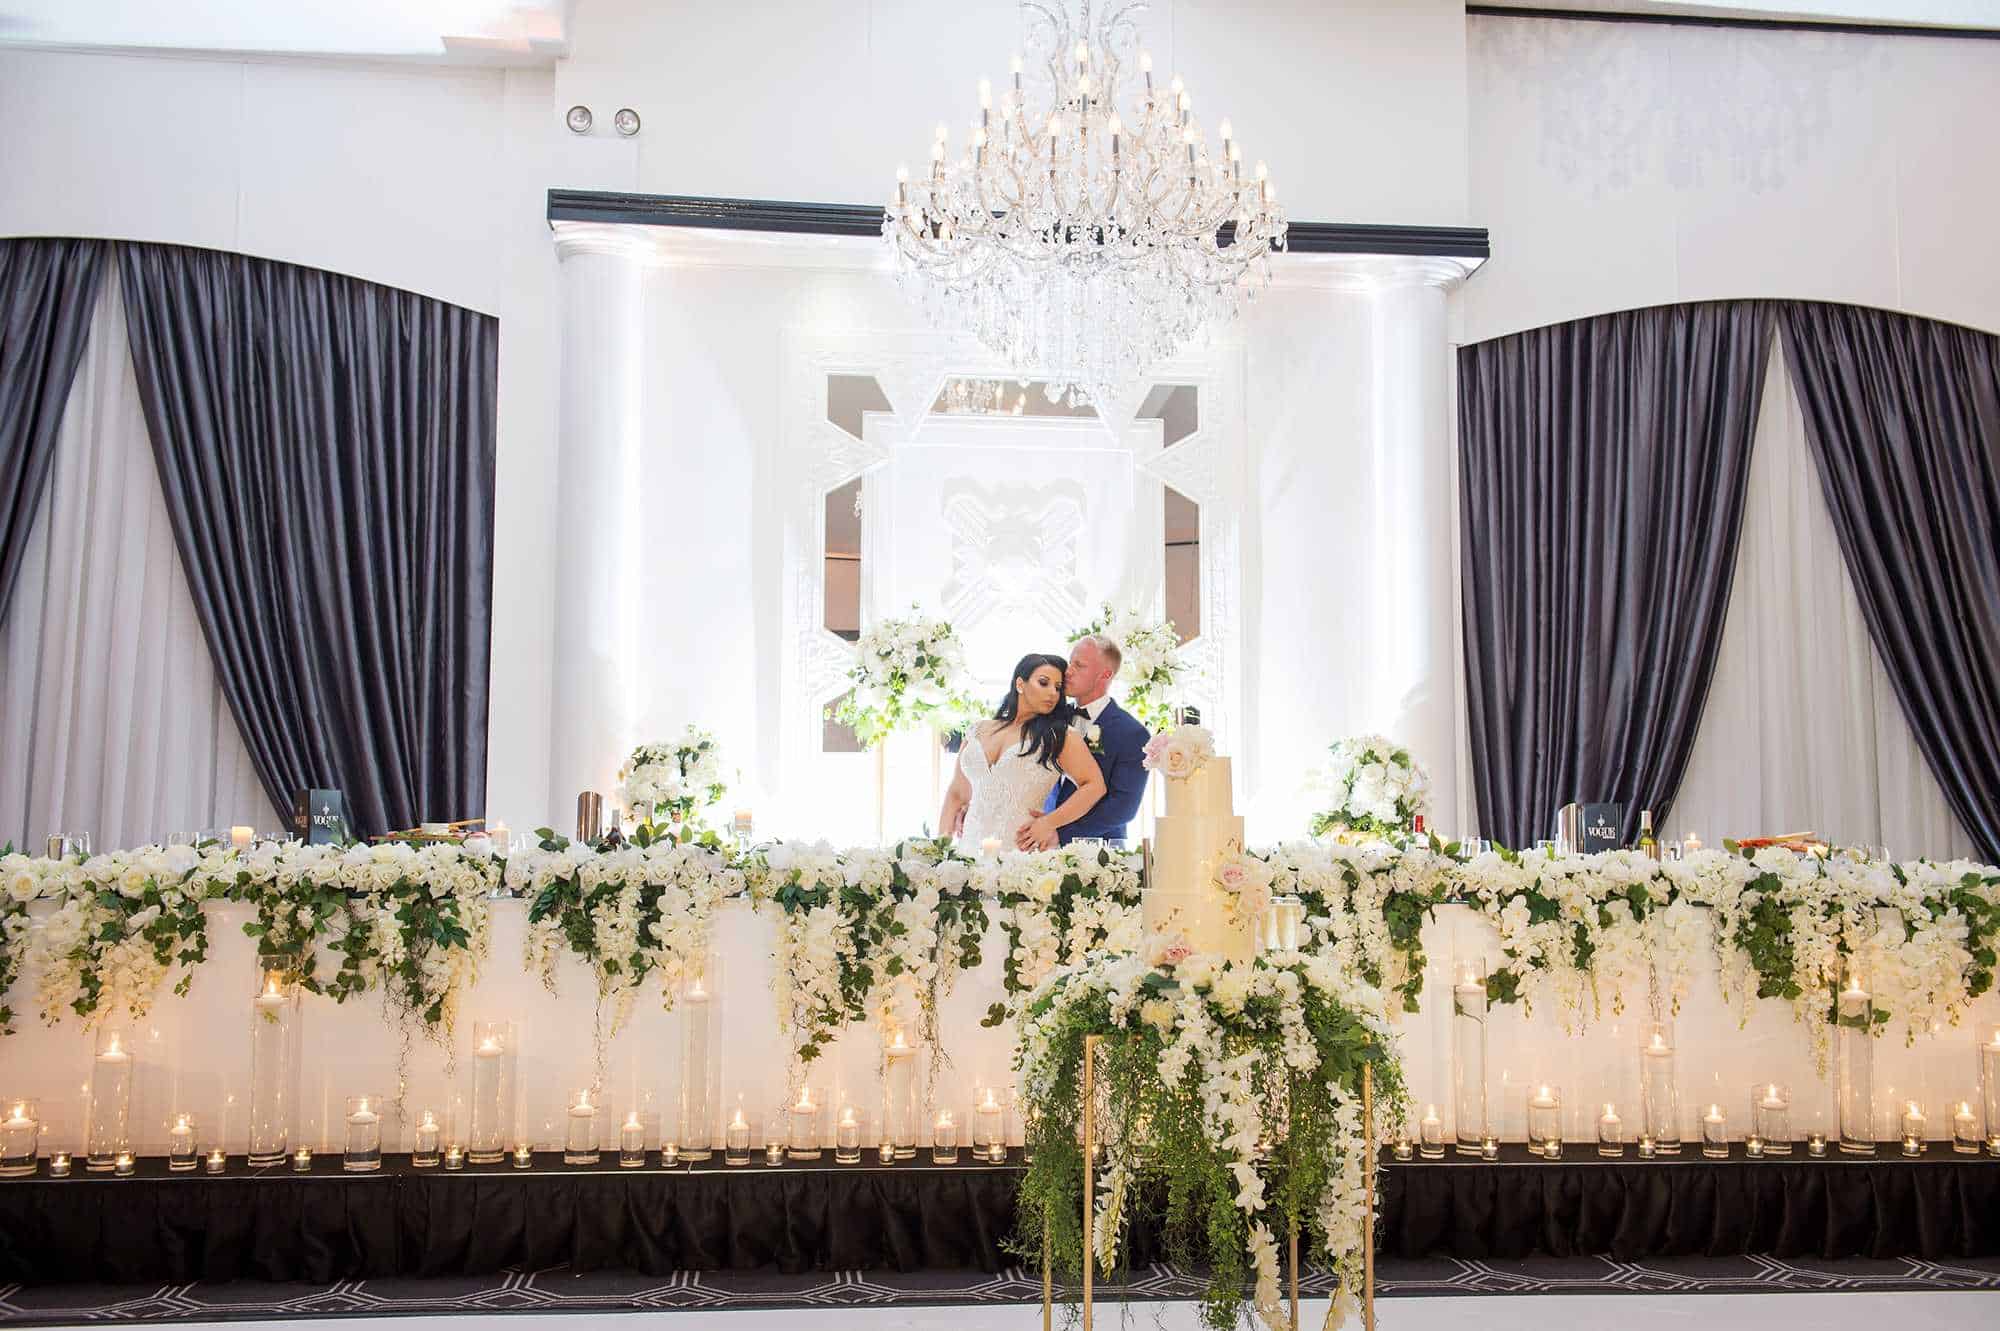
(1190, 841)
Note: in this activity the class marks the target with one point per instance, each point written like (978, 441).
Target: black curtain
(1602, 468)
(326, 448)
(1903, 418)
(48, 288)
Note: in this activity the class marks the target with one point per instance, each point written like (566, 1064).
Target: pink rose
(1233, 877)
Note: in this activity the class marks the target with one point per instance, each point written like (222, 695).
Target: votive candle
(58, 1164)
(847, 1137)
(736, 1140)
(1914, 1126)
(123, 1164)
(1715, 1133)
(302, 1160)
(1965, 1130)
(1430, 1134)
(944, 1139)
(989, 1133)
(1610, 1133)
(217, 1161)
(180, 1144)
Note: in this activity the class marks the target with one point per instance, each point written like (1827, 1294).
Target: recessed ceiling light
(579, 120)
(626, 122)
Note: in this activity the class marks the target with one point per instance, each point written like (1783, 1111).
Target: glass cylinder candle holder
(1715, 1133)
(1647, 1146)
(1544, 1114)
(899, 1088)
(1610, 1134)
(362, 1151)
(181, 1156)
(1489, 1147)
(215, 1162)
(124, 1164)
(847, 1137)
(1659, 1087)
(1915, 1127)
(427, 1149)
(58, 1164)
(1816, 1144)
(1771, 1117)
(1282, 924)
(1468, 1054)
(670, 1154)
(695, 1006)
(736, 1139)
(1401, 1147)
(1552, 1148)
(493, 1071)
(802, 1125)
(1965, 1130)
(632, 1142)
(454, 1156)
(110, 1101)
(774, 1151)
(302, 1160)
(1753, 1146)
(989, 1126)
(274, 1047)
(580, 1128)
(20, 1138)
(944, 1139)
(524, 1155)
(1854, 1061)
(1430, 1134)
(1989, 1090)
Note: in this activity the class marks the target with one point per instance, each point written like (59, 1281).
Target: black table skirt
(323, 1226)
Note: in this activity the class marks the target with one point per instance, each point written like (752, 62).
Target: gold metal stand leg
(1048, 1279)
(1368, 1197)
(1089, 1169)
(1295, 1274)
(881, 788)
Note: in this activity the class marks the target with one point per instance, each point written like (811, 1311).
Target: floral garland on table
(20, 883)
(671, 786)
(1057, 907)
(907, 672)
(646, 910)
(864, 935)
(1203, 1063)
(1152, 668)
(128, 919)
(1374, 788)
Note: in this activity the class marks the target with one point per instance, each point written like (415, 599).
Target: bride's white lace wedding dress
(1005, 793)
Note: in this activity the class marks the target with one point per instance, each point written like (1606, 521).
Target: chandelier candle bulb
(1965, 1130)
(1610, 1134)
(362, 1151)
(1430, 1134)
(180, 1145)
(20, 1139)
(580, 1130)
(424, 1154)
(1715, 1133)
(632, 1142)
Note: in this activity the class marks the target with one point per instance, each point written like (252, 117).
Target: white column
(600, 430)
(1351, 576)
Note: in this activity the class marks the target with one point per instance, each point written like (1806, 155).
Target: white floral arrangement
(127, 920)
(1179, 753)
(672, 785)
(1216, 1028)
(907, 672)
(1153, 671)
(1245, 880)
(1057, 907)
(1373, 787)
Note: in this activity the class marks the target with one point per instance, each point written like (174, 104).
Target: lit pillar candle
(1965, 1129)
(240, 837)
(1914, 1127)
(803, 1137)
(736, 1139)
(180, 1144)
(632, 1142)
(990, 1133)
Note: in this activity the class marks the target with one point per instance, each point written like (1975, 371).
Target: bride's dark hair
(1042, 735)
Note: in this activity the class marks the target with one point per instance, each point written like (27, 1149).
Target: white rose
(23, 884)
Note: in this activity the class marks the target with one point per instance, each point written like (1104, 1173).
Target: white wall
(1623, 164)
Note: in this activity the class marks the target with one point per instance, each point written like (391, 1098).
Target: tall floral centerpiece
(1153, 672)
(1374, 790)
(1232, 1091)
(672, 786)
(907, 672)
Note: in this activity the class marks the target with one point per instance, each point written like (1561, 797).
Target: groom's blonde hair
(1106, 648)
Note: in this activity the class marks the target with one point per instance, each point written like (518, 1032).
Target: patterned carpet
(555, 1290)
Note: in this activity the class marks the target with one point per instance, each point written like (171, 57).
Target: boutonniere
(1093, 735)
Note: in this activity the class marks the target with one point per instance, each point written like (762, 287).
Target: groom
(1116, 739)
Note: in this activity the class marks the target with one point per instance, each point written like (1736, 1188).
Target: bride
(1008, 765)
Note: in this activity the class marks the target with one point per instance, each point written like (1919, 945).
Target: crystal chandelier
(1087, 228)
(979, 397)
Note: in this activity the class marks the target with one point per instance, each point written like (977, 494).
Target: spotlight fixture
(626, 122)
(579, 120)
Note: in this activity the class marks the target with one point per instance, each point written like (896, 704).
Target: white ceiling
(507, 32)
(1921, 13)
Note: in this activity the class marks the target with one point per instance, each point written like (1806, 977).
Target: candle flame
(847, 1116)
(738, 1122)
(632, 1120)
(1608, 1111)
(991, 1103)
(180, 1123)
(430, 1119)
(944, 1118)
(805, 1098)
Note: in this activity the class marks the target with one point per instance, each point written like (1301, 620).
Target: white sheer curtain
(1802, 731)
(111, 718)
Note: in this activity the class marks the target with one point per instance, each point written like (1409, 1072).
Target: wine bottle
(1648, 845)
(614, 838)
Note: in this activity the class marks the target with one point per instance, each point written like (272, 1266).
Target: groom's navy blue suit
(1121, 756)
